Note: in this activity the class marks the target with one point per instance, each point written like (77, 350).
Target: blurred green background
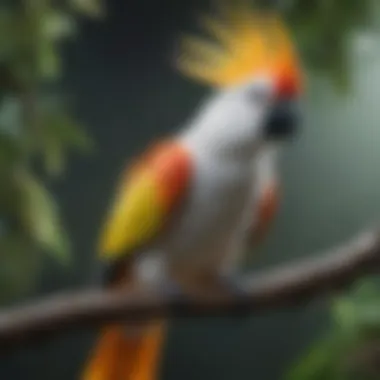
(115, 76)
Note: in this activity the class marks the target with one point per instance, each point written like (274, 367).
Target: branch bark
(289, 285)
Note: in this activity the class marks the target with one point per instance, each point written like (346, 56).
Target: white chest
(216, 214)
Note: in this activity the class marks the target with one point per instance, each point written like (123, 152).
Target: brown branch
(292, 284)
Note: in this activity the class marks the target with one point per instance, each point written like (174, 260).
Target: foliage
(323, 29)
(36, 133)
(350, 350)
(36, 128)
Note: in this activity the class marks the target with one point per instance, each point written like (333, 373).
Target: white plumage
(232, 160)
(253, 64)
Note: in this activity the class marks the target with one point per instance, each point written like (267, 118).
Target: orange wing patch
(147, 196)
(171, 165)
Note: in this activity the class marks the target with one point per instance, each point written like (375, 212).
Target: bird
(188, 207)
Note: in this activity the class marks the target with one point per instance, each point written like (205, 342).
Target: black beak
(283, 121)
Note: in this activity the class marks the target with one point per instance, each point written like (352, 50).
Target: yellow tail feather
(120, 356)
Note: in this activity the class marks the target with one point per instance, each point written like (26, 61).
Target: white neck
(225, 127)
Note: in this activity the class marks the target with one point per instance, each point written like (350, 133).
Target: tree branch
(292, 284)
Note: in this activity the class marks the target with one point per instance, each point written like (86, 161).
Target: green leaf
(73, 133)
(91, 8)
(58, 133)
(20, 264)
(49, 61)
(319, 363)
(40, 216)
(365, 289)
(54, 159)
(61, 127)
(58, 25)
(10, 153)
(360, 309)
(345, 314)
(368, 315)
(356, 318)
(324, 361)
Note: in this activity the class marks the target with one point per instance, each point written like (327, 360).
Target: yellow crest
(246, 42)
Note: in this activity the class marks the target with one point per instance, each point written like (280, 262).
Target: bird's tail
(120, 355)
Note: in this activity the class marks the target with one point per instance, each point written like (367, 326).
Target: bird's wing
(147, 196)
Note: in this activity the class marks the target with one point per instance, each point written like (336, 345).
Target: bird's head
(253, 66)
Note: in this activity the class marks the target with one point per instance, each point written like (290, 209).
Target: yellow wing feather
(145, 199)
(134, 217)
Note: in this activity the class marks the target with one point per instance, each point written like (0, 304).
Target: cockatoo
(187, 209)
